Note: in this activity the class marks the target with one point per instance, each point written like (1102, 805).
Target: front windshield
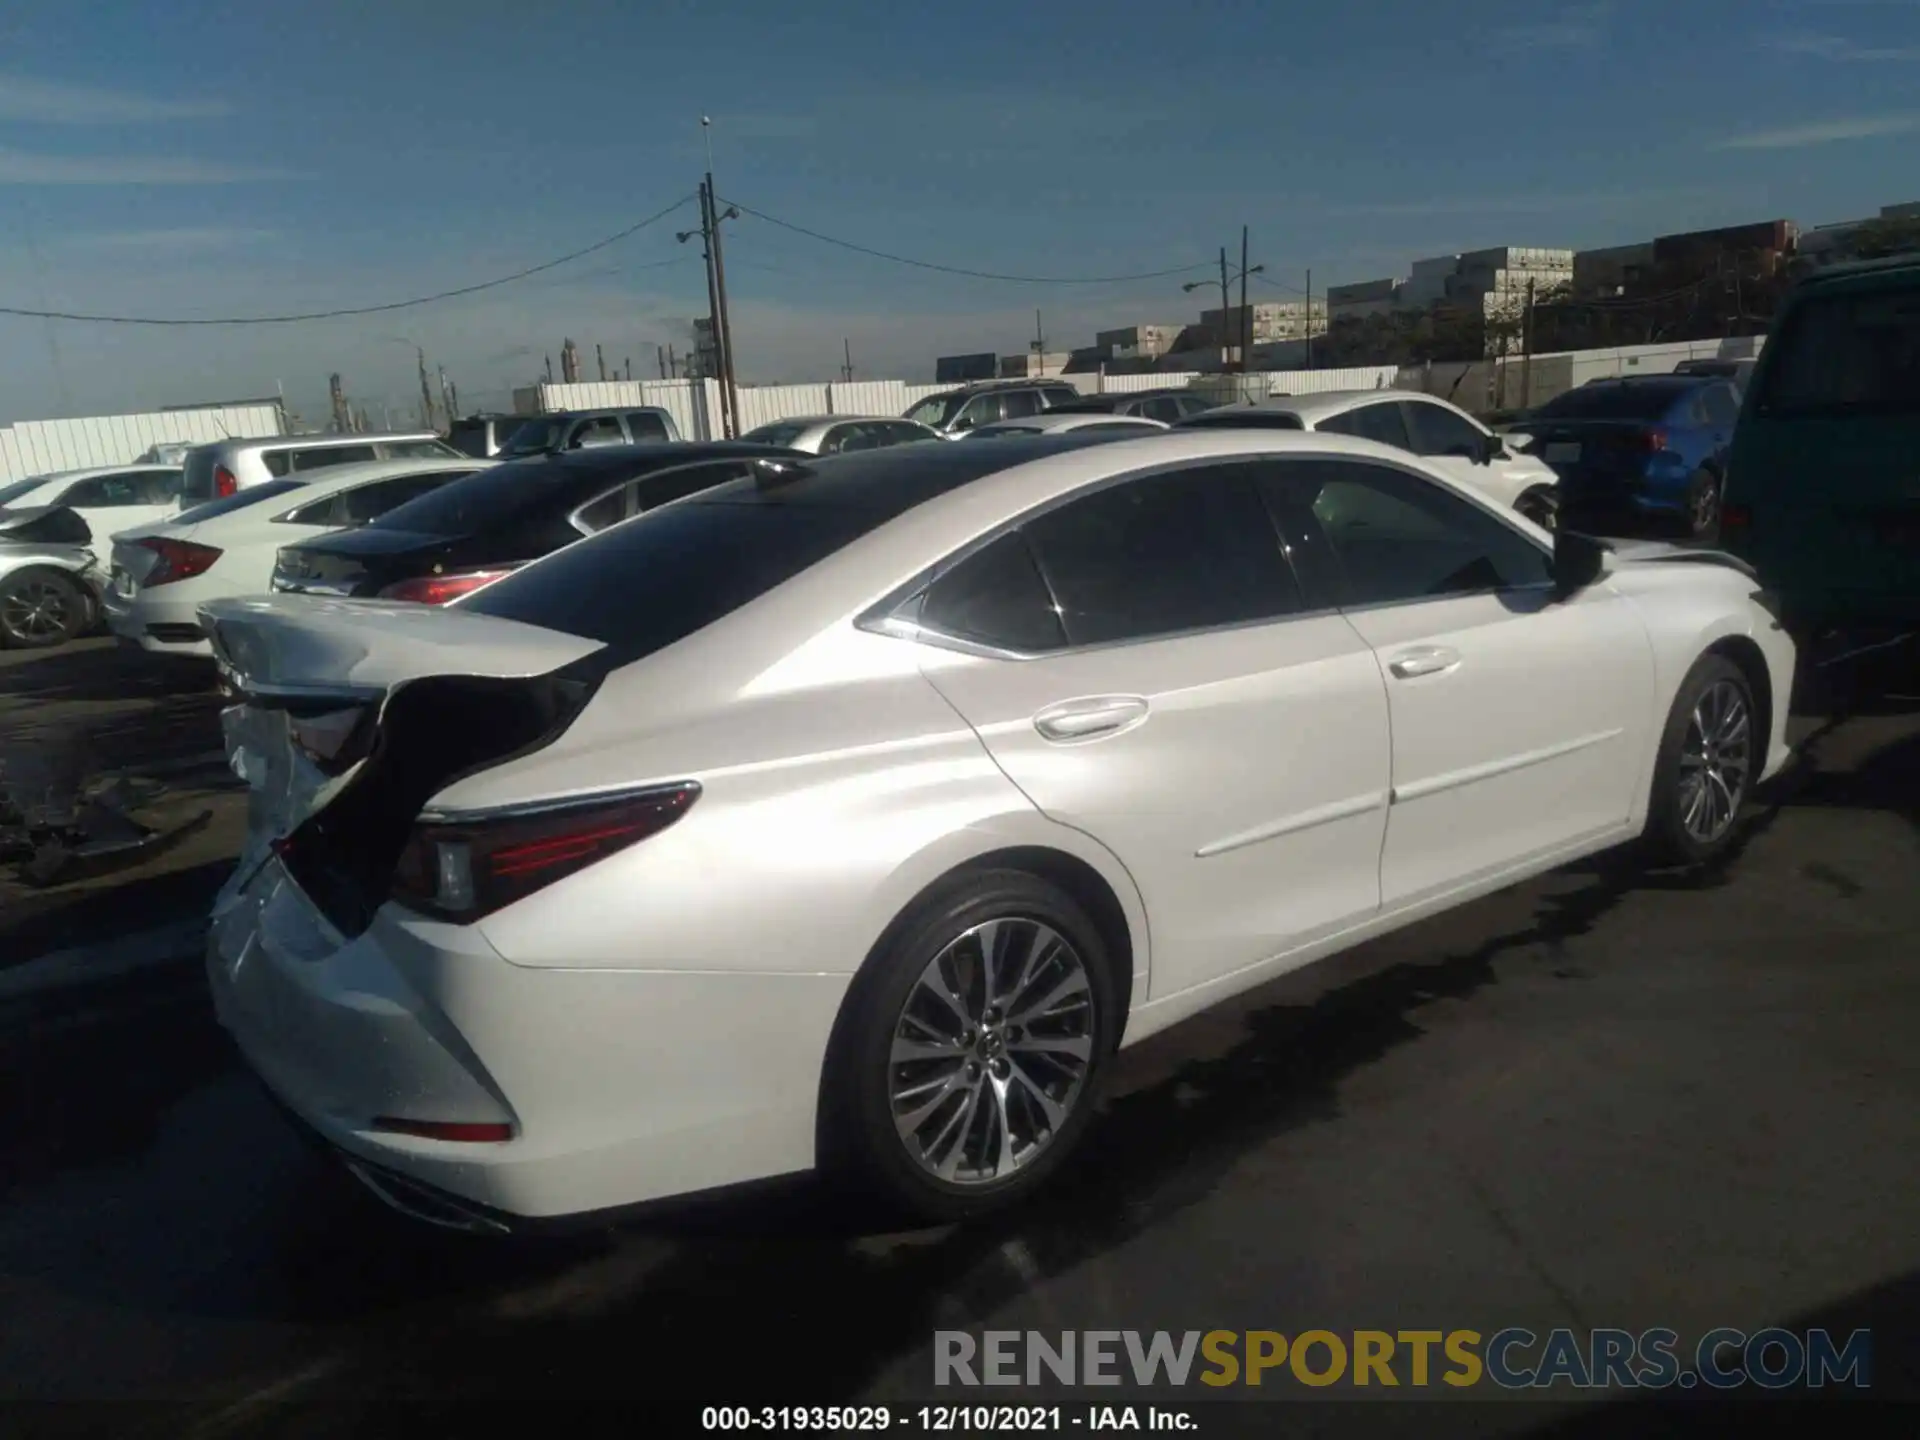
(535, 437)
(937, 410)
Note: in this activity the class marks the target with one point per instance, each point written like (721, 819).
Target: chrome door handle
(1083, 719)
(1427, 660)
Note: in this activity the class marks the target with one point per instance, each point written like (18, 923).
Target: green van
(1822, 495)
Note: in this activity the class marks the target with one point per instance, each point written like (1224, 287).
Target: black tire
(41, 608)
(1702, 520)
(1670, 837)
(1541, 505)
(860, 1138)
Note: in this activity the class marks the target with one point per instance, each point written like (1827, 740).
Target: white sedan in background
(840, 434)
(161, 573)
(1048, 422)
(854, 813)
(1443, 435)
(109, 498)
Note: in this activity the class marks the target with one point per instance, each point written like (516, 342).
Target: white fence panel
(41, 447)
(764, 404)
(912, 395)
(1320, 382)
(1152, 380)
(869, 397)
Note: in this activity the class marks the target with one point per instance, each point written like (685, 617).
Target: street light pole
(1246, 315)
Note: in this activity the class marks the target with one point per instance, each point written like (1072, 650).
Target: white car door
(1521, 721)
(1140, 662)
(1464, 452)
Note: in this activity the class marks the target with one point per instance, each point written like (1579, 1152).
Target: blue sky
(183, 159)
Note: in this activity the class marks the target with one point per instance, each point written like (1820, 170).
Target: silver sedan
(837, 434)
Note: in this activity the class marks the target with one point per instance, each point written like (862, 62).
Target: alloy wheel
(34, 612)
(991, 1051)
(1715, 761)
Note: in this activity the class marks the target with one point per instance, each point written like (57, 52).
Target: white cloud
(1822, 132)
(1574, 28)
(1840, 49)
(20, 167)
(48, 102)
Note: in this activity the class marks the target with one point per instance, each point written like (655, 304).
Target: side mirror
(1578, 561)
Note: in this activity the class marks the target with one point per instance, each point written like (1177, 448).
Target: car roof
(1313, 408)
(261, 443)
(970, 387)
(87, 472)
(808, 421)
(592, 412)
(336, 478)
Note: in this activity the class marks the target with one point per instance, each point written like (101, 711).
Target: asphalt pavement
(1603, 1098)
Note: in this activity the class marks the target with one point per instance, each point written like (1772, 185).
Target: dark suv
(954, 412)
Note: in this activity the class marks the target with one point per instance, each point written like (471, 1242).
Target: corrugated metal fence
(44, 447)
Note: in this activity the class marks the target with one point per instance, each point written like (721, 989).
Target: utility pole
(715, 342)
(1039, 344)
(549, 369)
(660, 355)
(673, 364)
(1309, 318)
(426, 394)
(846, 370)
(446, 392)
(720, 285)
(1246, 315)
(1526, 350)
(342, 419)
(453, 400)
(629, 367)
(600, 356)
(1226, 309)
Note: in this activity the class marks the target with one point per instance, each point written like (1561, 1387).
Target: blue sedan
(1650, 449)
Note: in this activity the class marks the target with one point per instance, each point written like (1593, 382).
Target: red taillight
(1646, 441)
(439, 589)
(224, 483)
(1735, 519)
(178, 560)
(463, 1132)
(464, 870)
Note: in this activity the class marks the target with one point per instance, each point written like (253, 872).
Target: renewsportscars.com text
(1513, 1358)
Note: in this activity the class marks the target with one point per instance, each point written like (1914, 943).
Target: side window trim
(897, 614)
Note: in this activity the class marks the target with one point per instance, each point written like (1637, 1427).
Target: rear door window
(325, 457)
(1018, 404)
(997, 598)
(1189, 549)
(277, 462)
(981, 410)
(1846, 355)
(369, 502)
(644, 426)
(601, 430)
(1380, 422)
(418, 450)
(1438, 431)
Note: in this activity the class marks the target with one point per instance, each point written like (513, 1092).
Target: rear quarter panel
(836, 787)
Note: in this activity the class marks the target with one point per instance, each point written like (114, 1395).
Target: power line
(956, 269)
(1278, 284)
(613, 239)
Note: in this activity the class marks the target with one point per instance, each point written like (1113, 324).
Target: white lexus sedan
(854, 813)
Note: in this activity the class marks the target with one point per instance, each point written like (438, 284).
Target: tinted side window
(840, 437)
(277, 462)
(1162, 407)
(643, 426)
(1846, 354)
(899, 434)
(329, 512)
(996, 597)
(325, 457)
(1382, 423)
(419, 450)
(981, 410)
(1723, 406)
(1397, 537)
(368, 502)
(1018, 404)
(610, 509)
(601, 430)
(1178, 551)
(656, 490)
(1438, 431)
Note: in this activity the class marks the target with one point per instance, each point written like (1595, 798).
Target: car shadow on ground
(797, 1259)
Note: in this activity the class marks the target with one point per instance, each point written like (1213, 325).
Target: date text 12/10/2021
(945, 1419)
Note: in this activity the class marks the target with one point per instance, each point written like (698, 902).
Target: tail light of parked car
(179, 560)
(1643, 441)
(225, 483)
(463, 871)
(440, 589)
(1736, 522)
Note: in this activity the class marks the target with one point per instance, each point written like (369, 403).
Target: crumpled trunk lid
(330, 694)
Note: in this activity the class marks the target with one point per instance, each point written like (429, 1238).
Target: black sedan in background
(467, 534)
